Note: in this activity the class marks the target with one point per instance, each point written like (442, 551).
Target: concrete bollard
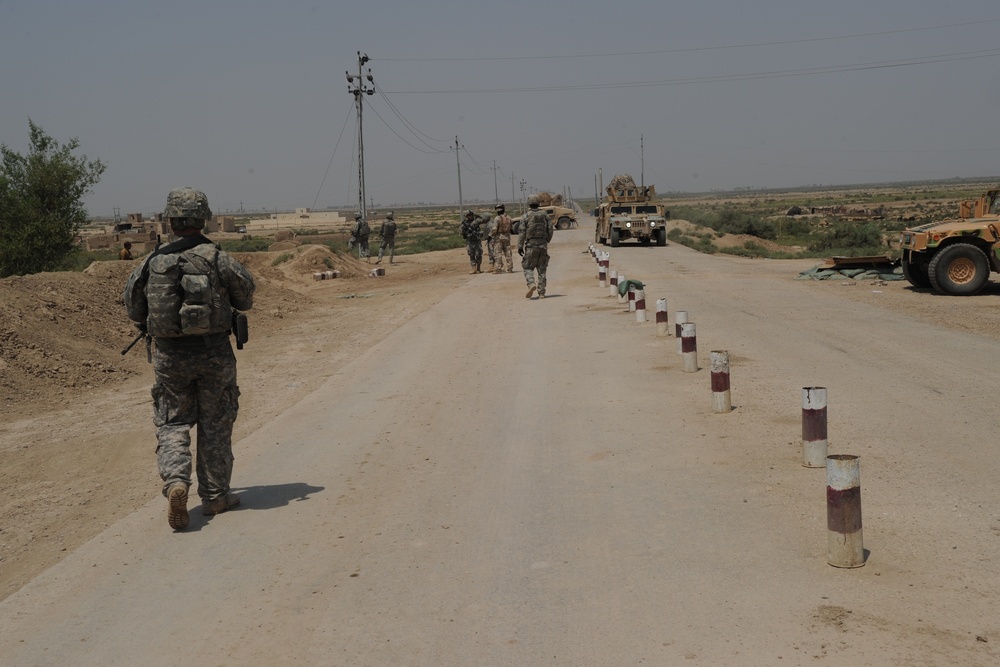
(721, 399)
(640, 305)
(377, 273)
(326, 275)
(602, 275)
(680, 317)
(622, 298)
(844, 539)
(689, 347)
(614, 283)
(661, 318)
(814, 441)
(631, 298)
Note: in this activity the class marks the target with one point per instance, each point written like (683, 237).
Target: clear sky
(247, 100)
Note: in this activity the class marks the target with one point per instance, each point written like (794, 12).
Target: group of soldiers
(532, 243)
(361, 231)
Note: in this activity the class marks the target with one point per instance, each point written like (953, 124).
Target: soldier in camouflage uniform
(533, 246)
(471, 231)
(388, 235)
(501, 238)
(359, 235)
(183, 297)
(487, 226)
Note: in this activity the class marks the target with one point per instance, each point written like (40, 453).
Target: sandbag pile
(819, 272)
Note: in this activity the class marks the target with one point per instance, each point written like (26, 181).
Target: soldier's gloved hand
(520, 251)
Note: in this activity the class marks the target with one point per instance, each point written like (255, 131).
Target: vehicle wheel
(960, 269)
(598, 238)
(563, 223)
(615, 238)
(661, 236)
(915, 274)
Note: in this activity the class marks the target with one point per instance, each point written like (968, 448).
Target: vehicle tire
(598, 238)
(661, 236)
(615, 238)
(960, 269)
(916, 274)
(563, 223)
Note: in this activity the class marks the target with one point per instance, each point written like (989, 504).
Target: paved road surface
(513, 482)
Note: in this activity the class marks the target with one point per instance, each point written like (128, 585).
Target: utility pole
(359, 90)
(512, 199)
(496, 193)
(522, 195)
(458, 166)
(642, 162)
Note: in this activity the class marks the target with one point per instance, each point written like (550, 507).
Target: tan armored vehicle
(561, 217)
(630, 212)
(955, 256)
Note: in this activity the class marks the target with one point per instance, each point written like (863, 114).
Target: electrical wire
(407, 123)
(807, 40)
(327, 172)
(725, 78)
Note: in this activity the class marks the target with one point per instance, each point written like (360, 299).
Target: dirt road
(502, 481)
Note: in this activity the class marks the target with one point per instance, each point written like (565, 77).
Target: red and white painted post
(602, 275)
(614, 283)
(640, 305)
(661, 318)
(680, 317)
(621, 297)
(631, 298)
(844, 539)
(814, 441)
(689, 347)
(721, 399)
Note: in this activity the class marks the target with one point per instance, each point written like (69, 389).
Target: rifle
(142, 334)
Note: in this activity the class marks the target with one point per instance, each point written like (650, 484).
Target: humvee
(955, 256)
(630, 212)
(561, 217)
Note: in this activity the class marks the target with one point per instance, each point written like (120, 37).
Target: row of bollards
(843, 471)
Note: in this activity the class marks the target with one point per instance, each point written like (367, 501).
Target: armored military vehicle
(561, 217)
(955, 256)
(630, 212)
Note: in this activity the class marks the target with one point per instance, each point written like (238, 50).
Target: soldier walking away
(533, 246)
(126, 251)
(501, 234)
(471, 231)
(388, 235)
(183, 296)
(359, 235)
(488, 225)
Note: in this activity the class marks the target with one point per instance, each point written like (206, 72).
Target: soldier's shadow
(274, 495)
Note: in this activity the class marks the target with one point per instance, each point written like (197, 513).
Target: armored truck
(561, 217)
(955, 256)
(630, 212)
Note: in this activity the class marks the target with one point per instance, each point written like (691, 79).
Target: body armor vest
(184, 294)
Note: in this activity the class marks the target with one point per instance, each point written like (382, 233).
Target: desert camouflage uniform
(536, 232)
(359, 235)
(473, 235)
(195, 386)
(501, 237)
(490, 242)
(388, 234)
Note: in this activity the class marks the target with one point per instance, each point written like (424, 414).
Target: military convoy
(630, 212)
(955, 256)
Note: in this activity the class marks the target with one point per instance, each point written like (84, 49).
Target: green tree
(41, 203)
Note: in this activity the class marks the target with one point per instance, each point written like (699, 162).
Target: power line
(410, 125)
(725, 78)
(705, 48)
(327, 172)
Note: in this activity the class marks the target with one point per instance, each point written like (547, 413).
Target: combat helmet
(390, 215)
(189, 207)
(499, 208)
(357, 216)
(470, 213)
(534, 201)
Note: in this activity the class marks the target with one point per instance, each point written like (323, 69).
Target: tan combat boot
(177, 511)
(227, 501)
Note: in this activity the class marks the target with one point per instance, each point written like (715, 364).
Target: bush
(41, 203)
(282, 258)
(856, 237)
